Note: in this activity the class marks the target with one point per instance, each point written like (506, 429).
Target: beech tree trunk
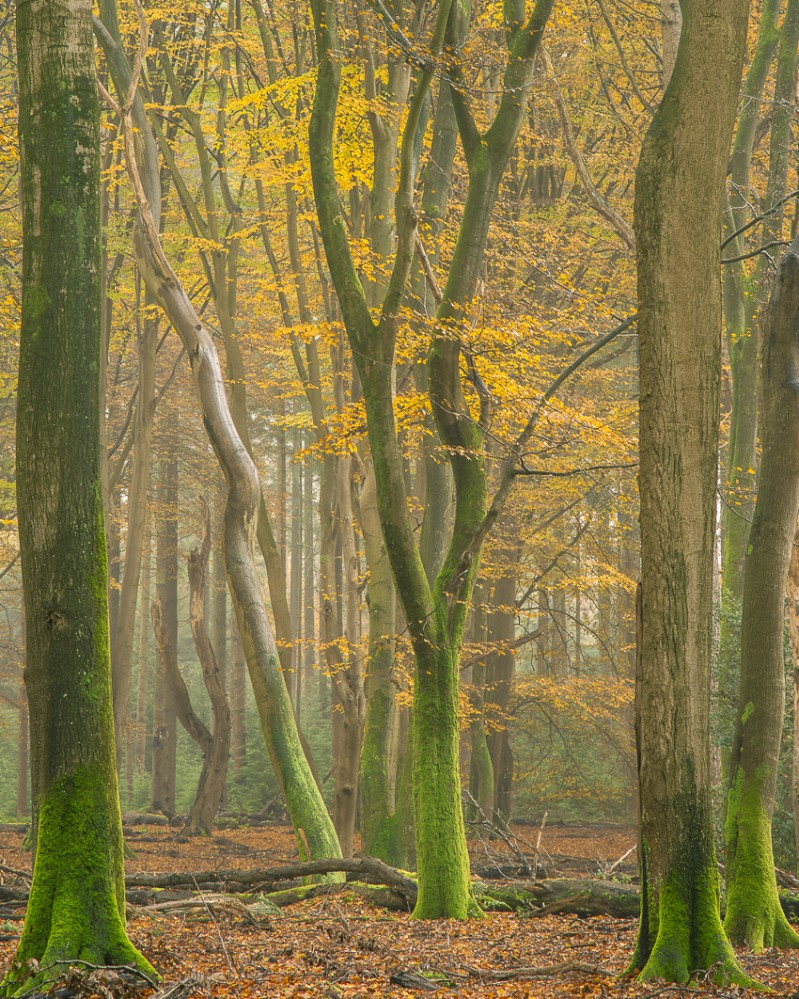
(435, 614)
(76, 909)
(679, 191)
(211, 786)
(754, 916)
(314, 831)
(164, 744)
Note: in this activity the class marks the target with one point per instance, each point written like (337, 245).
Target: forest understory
(340, 945)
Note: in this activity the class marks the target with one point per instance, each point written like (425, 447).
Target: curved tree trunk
(754, 915)
(76, 909)
(316, 836)
(679, 189)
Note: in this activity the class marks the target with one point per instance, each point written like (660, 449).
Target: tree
(754, 914)
(435, 614)
(77, 901)
(315, 834)
(678, 202)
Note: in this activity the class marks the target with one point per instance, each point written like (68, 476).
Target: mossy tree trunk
(76, 909)
(678, 204)
(754, 916)
(314, 831)
(435, 614)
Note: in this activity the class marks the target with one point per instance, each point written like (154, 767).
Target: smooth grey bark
(164, 731)
(314, 830)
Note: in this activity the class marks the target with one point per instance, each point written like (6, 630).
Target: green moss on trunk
(442, 857)
(76, 909)
(754, 916)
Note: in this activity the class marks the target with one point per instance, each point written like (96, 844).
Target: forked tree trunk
(76, 909)
(679, 189)
(754, 916)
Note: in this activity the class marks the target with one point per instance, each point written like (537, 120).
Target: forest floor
(341, 947)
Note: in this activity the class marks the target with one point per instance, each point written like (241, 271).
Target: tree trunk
(378, 832)
(679, 188)
(76, 909)
(143, 676)
(23, 761)
(211, 786)
(754, 916)
(314, 830)
(164, 749)
(501, 670)
(122, 639)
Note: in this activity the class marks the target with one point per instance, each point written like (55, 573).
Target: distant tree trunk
(754, 915)
(295, 572)
(122, 639)
(142, 680)
(238, 703)
(164, 716)
(313, 829)
(307, 657)
(501, 671)
(76, 909)
(23, 761)
(211, 786)
(679, 191)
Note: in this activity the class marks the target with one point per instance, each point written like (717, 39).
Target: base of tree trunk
(754, 916)
(690, 938)
(76, 907)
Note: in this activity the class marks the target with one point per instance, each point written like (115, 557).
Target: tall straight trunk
(23, 758)
(482, 766)
(238, 704)
(218, 601)
(754, 915)
(679, 193)
(348, 677)
(122, 638)
(296, 573)
(378, 823)
(76, 909)
(744, 294)
(164, 748)
(143, 674)
(501, 671)
(307, 660)
(213, 779)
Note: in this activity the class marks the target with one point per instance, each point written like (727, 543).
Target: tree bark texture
(213, 778)
(314, 830)
(754, 916)
(679, 190)
(77, 903)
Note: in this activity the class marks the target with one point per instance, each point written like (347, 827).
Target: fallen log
(366, 866)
